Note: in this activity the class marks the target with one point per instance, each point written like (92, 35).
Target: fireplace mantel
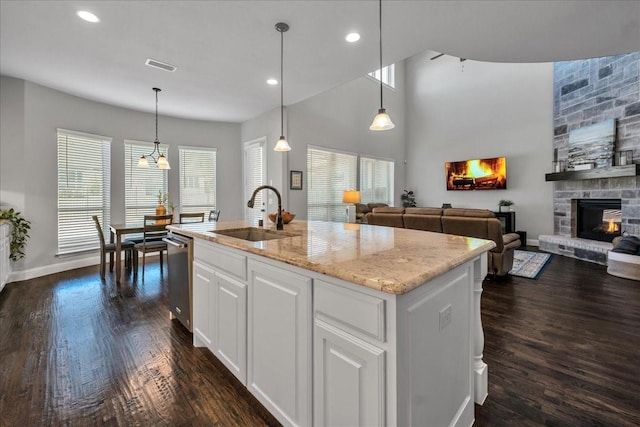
(610, 172)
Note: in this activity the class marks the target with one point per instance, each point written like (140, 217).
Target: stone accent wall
(587, 92)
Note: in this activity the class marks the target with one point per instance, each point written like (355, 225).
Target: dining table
(117, 231)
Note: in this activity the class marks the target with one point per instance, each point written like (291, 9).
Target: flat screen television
(477, 174)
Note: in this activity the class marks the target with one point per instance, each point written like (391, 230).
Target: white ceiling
(225, 50)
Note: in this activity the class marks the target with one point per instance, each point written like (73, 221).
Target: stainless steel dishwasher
(180, 257)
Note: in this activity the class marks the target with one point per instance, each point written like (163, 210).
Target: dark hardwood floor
(562, 350)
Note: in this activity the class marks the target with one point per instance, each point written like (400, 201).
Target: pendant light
(381, 121)
(161, 160)
(282, 144)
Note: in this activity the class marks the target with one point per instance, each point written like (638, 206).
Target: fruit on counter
(287, 216)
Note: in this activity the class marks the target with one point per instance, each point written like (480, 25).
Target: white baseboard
(32, 273)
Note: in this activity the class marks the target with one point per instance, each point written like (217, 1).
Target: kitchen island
(345, 324)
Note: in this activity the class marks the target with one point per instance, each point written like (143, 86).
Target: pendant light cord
(380, 16)
(157, 90)
(281, 83)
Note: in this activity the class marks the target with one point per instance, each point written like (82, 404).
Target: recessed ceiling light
(88, 16)
(352, 37)
(272, 82)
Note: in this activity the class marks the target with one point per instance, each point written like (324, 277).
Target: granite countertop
(391, 260)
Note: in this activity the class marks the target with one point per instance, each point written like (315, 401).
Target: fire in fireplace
(598, 219)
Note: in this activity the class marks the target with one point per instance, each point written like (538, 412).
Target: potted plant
(408, 199)
(162, 199)
(19, 232)
(504, 203)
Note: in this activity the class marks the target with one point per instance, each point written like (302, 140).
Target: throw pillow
(628, 245)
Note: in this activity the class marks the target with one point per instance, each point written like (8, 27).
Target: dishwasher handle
(177, 244)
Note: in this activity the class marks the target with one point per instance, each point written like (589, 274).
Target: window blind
(197, 179)
(84, 170)
(376, 180)
(142, 185)
(330, 173)
(255, 176)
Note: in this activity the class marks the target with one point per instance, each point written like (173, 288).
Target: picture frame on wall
(295, 180)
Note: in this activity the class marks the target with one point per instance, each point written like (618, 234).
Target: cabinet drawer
(346, 308)
(221, 259)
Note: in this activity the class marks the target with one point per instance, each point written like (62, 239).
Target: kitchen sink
(253, 234)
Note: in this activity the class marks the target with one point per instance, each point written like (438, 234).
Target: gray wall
(338, 119)
(460, 111)
(30, 115)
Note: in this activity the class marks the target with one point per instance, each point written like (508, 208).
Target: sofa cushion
(475, 213)
(376, 205)
(427, 219)
(362, 208)
(392, 217)
(478, 227)
(424, 211)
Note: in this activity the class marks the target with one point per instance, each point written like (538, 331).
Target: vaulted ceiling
(226, 50)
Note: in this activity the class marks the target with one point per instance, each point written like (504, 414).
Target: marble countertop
(392, 260)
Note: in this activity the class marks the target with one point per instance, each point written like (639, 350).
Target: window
(255, 166)
(376, 180)
(142, 185)
(330, 173)
(387, 75)
(197, 179)
(84, 168)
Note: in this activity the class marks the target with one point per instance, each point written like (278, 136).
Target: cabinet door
(230, 324)
(279, 342)
(348, 379)
(203, 282)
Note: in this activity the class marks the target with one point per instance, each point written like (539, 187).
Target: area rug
(529, 264)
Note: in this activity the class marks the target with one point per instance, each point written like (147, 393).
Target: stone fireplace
(588, 92)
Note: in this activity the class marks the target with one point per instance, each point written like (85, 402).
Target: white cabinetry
(319, 351)
(349, 363)
(203, 279)
(279, 342)
(230, 324)
(220, 305)
(5, 250)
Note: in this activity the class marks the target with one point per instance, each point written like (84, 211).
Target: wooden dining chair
(154, 229)
(191, 217)
(214, 214)
(110, 248)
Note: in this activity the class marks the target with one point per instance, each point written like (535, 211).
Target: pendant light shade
(282, 144)
(381, 121)
(161, 160)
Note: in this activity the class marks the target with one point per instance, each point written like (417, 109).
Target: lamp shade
(143, 162)
(282, 145)
(351, 196)
(163, 163)
(382, 121)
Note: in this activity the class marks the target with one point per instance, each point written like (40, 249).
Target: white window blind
(376, 180)
(197, 179)
(142, 185)
(387, 75)
(255, 176)
(84, 171)
(330, 173)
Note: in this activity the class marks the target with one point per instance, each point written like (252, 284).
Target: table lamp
(352, 197)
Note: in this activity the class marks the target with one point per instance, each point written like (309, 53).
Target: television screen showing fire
(477, 174)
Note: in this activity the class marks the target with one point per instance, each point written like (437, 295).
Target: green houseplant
(19, 232)
(504, 203)
(408, 199)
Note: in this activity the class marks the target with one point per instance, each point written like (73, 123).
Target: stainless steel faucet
(279, 223)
